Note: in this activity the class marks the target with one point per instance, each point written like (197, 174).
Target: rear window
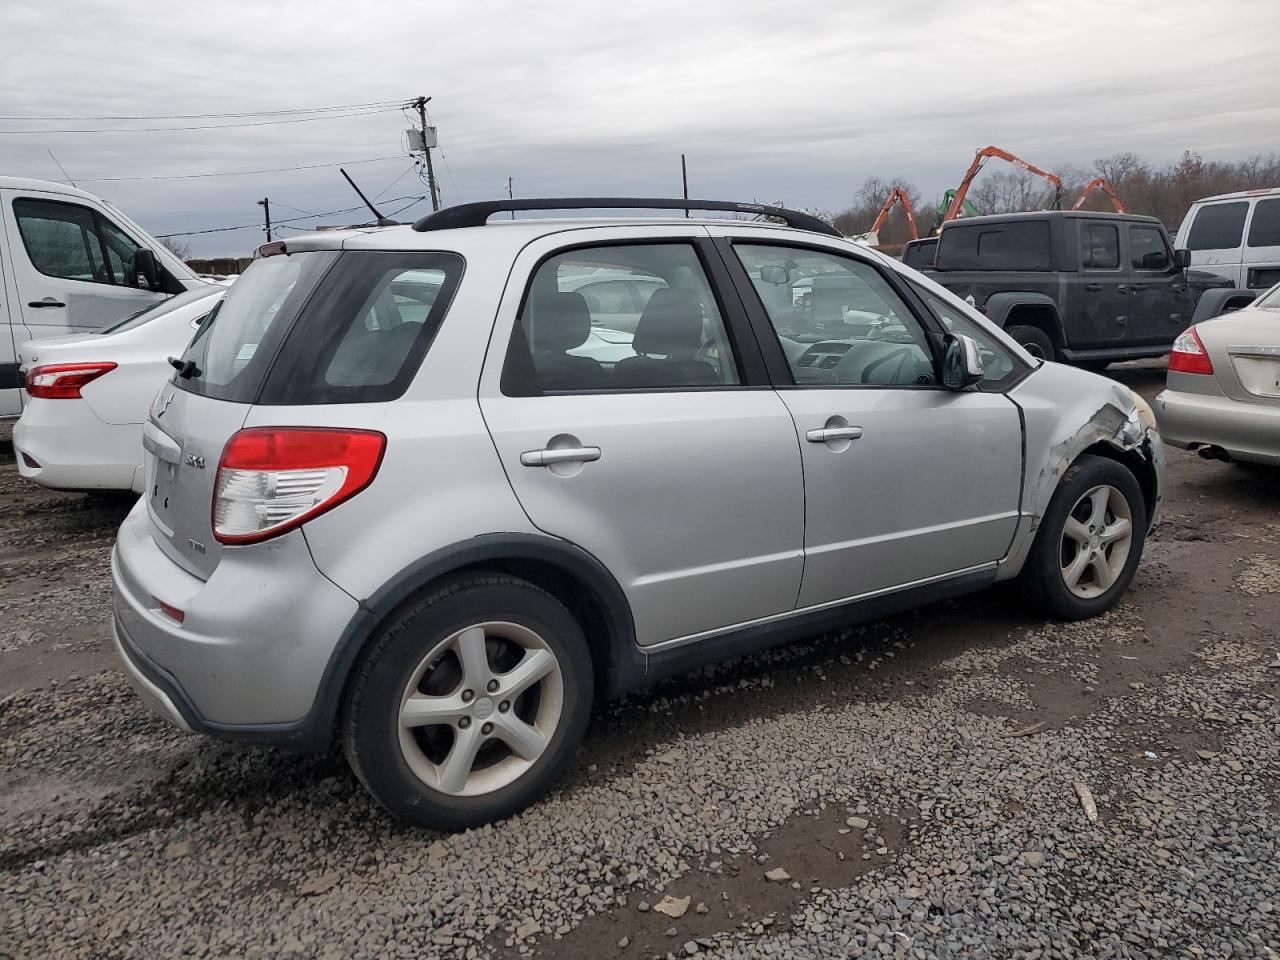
(1016, 245)
(1264, 228)
(920, 255)
(323, 327)
(1218, 226)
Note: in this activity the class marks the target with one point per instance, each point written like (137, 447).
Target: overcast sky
(796, 101)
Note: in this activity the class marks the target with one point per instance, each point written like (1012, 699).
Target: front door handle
(1093, 287)
(551, 455)
(46, 302)
(1138, 286)
(827, 434)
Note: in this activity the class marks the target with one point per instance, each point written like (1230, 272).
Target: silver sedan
(1222, 397)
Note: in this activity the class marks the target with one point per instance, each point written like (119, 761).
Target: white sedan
(87, 396)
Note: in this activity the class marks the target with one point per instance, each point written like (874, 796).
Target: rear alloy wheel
(470, 704)
(1033, 340)
(1089, 542)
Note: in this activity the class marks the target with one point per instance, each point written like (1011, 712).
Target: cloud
(797, 101)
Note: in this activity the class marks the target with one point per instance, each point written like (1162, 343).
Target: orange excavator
(982, 156)
(1100, 183)
(897, 195)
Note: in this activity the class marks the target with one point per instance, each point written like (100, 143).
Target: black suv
(1083, 288)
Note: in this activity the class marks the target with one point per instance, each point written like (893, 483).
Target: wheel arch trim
(619, 657)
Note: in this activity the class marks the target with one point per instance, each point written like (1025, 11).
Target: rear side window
(323, 327)
(1099, 246)
(1218, 226)
(627, 317)
(920, 255)
(1015, 245)
(1264, 229)
(1147, 249)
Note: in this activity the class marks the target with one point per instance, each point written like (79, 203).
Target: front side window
(626, 317)
(838, 320)
(1264, 228)
(1148, 250)
(1099, 246)
(998, 365)
(62, 240)
(1218, 226)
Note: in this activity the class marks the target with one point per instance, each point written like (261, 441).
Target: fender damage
(1067, 412)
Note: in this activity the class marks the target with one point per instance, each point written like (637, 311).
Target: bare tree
(179, 248)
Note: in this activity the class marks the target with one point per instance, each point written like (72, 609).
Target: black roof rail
(476, 214)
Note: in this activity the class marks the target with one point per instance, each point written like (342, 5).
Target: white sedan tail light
(62, 381)
(271, 479)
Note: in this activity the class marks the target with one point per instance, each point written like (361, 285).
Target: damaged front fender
(1067, 412)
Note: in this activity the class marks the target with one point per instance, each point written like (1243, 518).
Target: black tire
(1034, 340)
(1042, 574)
(370, 725)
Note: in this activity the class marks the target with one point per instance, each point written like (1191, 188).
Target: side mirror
(774, 274)
(1182, 259)
(961, 362)
(144, 263)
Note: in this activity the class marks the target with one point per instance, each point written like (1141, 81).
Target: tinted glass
(1147, 249)
(61, 240)
(998, 364)
(321, 327)
(1264, 228)
(920, 255)
(1099, 246)
(838, 320)
(154, 310)
(1014, 245)
(1218, 226)
(592, 334)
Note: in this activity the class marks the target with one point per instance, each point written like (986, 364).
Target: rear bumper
(247, 660)
(1247, 431)
(75, 450)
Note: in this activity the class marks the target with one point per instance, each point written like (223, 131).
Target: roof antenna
(382, 221)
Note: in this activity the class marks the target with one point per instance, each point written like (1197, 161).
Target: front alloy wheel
(1089, 540)
(1095, 541)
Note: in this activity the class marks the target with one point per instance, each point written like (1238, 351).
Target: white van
(71, 263)
(1236, 236)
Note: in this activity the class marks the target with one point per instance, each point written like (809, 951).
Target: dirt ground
(875, 767)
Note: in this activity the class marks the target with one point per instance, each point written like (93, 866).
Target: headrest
(670, 325)
(561, 321)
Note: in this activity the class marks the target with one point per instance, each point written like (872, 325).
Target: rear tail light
(271, 479)
(62, 381)
(1189, 355)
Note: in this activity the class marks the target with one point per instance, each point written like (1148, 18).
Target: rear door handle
(1138, 286)
(46, 302)
(827, 434)
(548, 456)
(1093, 287)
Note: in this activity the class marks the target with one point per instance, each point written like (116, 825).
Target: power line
(211, 126)
(219, 116)
(234, 173)
(258, 226)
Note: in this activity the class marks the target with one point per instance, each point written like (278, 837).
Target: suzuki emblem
(163, 405)
(194, 461)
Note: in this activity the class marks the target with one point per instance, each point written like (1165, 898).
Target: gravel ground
(911, 788)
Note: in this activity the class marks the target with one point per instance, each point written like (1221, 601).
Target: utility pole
(265, 204)
(421, 104)
(510, 196)
(684, 177)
